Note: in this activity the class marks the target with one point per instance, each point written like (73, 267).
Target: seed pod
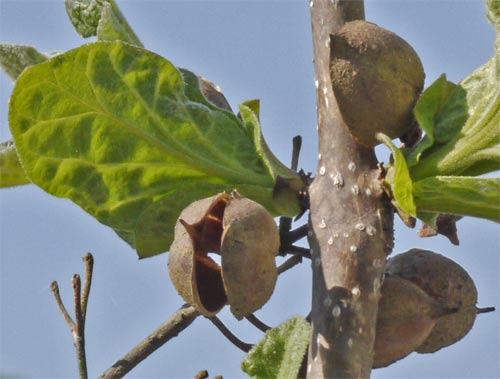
(406, 317)
(448, 283)
(245, 235)
(377, 78)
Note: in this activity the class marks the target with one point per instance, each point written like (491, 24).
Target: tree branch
(179, 321)
(350, 221)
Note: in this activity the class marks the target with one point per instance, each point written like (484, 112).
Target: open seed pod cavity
(245, 235)
(377, 78)
(406, 317)
(446, 281)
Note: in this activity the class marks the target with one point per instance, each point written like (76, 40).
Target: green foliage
(280, 353)
(116, 129)
(462, 140)
(15, 58)
(101, 18)
(399, 177)
(11, 171)
(459, 195)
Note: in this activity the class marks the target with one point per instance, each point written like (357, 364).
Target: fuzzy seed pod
(406, 317)
(245, 235)
(377, 78)
(448, 283)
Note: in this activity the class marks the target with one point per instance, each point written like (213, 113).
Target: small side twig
(289, 263)
(77, 327)
(296, 146)
(229, 335)
(179, 321)
(257, 323)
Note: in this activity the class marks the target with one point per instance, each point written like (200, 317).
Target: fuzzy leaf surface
(11, 172)
(109, 126)
(280, 353)
(101, 18)
(15, 58)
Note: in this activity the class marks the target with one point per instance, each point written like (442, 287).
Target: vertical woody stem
(350, 220)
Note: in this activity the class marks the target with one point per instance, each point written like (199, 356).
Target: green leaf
(399, 179)
(475, 149)
(114, 27)
(101, 18)
(11, 172)
(84, 15)
(280, 353)
(15, 58)
(464, 196)
(441, 112)
(109, 126)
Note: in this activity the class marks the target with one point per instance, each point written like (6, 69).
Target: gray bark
(351, 224)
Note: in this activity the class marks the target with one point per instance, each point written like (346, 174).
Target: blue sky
(252, 49)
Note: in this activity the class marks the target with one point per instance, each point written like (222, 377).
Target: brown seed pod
(406, 317)
(245, 235)
(448, 283)
(377, 78)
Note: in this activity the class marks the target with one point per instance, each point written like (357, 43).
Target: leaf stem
(257, 323)
(229, 335)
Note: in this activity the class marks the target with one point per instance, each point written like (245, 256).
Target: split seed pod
(377, 78)
(445, 281)
(245, 235)
(406, 317)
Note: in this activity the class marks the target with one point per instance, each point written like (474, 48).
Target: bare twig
(79, 332)
(55, 290)
(80, 299)
(257, 323)
(297, 250)
(179, 321)
(88, 259)
(297, 144)
(289, 263)
(229, 335)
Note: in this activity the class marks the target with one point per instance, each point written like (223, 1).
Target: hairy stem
(179, 321)
(350, 220)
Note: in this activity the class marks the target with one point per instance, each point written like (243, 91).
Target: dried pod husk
(248, 255)
(446, 281)
(246, 237)
(377, 78)
(406, 317)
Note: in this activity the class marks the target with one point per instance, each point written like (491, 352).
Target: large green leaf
(109, 126)
(15, 58)
(11, 171)
(280, 353)
(459, 195)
